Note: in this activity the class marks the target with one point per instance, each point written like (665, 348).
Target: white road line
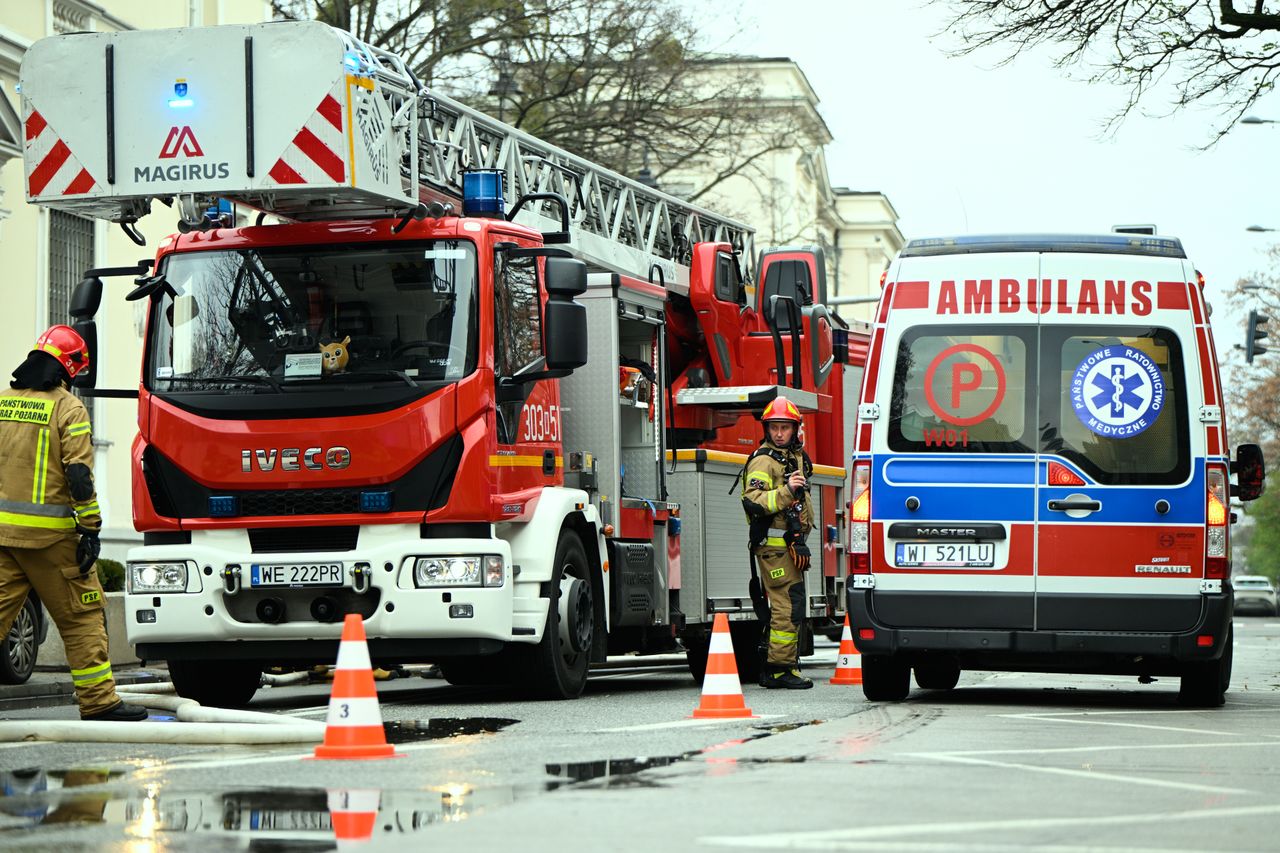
(1062, 750)
(823, 839)
(1137, 726)
(679, 724)
(1092, 775)
(170, 766)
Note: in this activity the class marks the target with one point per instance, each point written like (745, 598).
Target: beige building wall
(786, 194)
(25, 231)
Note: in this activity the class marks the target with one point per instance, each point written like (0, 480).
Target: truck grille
(275, 540)
(300, 502)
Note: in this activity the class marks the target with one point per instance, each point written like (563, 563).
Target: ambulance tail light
(860, 520)
(1215, 548)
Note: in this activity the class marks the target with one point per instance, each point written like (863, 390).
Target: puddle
(617, 772)
(437, 728)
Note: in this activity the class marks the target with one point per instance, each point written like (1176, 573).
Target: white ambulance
(1040, 468)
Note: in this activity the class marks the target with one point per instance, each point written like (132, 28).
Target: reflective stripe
(51, 510)
(782, 638)
(87, 509)
(776, 541)
(80, 428)
(773, 501)
(40, 475)
(92, 675)
(23, 520)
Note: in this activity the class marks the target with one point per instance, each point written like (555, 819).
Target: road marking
(1058, 718)
(679, 724)
(835, 839)
(263, 759)
(1092, 775)
(1114, 748)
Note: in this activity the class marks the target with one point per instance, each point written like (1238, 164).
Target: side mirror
(88, 329)
(86, 298)
(1250, 471)
(565, 277)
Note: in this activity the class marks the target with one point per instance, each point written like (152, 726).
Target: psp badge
(1117, 391)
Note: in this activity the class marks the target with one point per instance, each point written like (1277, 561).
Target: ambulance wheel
(938, 674)
(217, 683)
(18, 658)
(885, 679)
(1204, 685)
(557, 666)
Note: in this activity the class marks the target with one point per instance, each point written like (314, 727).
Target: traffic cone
(721, 690)
(354, 814)
(354, 725)
(848, 660)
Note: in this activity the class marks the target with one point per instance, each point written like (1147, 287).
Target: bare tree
(1222, 54)
(630, 84)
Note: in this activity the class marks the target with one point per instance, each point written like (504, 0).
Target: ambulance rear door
(1121, 499)
(953, 494)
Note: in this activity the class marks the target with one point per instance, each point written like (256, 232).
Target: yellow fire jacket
(764, 485)
(46, 468)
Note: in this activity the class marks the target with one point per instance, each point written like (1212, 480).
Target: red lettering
(1088, 303)
(947, 299)
(1009, 301)
(1064, 307)
(1142, 298)
(1040, 304)
(977, 296)
(933, 438)
(1114, 297)
(964, 377)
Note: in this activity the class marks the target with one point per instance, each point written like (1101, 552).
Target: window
(517, 314)
(963, 390)
(70, 254)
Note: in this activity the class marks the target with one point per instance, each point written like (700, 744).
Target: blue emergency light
(482, 193)
(379, 501)
(223, 506)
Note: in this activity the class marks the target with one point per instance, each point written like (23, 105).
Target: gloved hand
(801, 554)
(88, 550)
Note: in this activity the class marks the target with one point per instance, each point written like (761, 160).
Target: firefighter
(780, 515)
(49, 518)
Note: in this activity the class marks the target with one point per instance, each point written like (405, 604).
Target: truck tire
(554, 668)
(698, 649)
(1204, 685)
(941, 674)
(885, 679)
(18, 657)
(747, 637)
(216, 683)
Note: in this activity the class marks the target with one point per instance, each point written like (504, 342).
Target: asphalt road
(1003, 762)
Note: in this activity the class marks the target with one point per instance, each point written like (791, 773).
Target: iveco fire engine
(470, 386)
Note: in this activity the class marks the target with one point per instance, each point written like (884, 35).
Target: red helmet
(782, 409)
(65, 344)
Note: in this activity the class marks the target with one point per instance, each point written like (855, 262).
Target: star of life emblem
(1117, 391)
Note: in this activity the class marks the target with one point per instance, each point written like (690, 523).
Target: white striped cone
(354, 814)
(317, 153)
(721, 690)
(848, 660)
(353, 728)
(52, 170)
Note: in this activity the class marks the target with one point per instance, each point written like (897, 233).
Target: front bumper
(207, 621)
(1047, 651)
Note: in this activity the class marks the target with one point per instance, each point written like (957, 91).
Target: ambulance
(1041, 478)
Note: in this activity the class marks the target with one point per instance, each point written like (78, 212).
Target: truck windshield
(296, 319)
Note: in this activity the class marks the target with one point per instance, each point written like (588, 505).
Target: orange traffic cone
(354, 814)
(721, 690)
(354, 726)
(848, 660)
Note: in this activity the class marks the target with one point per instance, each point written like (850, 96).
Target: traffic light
(1255, 336)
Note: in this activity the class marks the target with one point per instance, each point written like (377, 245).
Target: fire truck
(477, 389)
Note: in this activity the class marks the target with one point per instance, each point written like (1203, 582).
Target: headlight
(157, 577)
(458, 571)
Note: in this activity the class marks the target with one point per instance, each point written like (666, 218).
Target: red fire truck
(475, 388)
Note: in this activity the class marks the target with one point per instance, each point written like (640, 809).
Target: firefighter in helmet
(49, 518)
(780, 514)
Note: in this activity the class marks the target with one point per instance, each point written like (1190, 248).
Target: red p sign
(965, 376)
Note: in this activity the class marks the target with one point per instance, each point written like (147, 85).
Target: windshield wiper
(237, 380)
(373, 374)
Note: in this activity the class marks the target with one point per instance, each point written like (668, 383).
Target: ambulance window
(1114, 403)
(962, 390)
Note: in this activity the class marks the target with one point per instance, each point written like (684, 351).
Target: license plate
(957, 554)
(295, 574)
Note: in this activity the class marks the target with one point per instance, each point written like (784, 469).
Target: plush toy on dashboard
(334, 356)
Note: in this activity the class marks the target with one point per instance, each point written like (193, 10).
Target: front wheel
(18, 657)
(1204, 684)
(558, 664)
(885, 679)
(216, 683)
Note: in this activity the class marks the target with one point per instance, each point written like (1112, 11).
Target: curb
(55, 688)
